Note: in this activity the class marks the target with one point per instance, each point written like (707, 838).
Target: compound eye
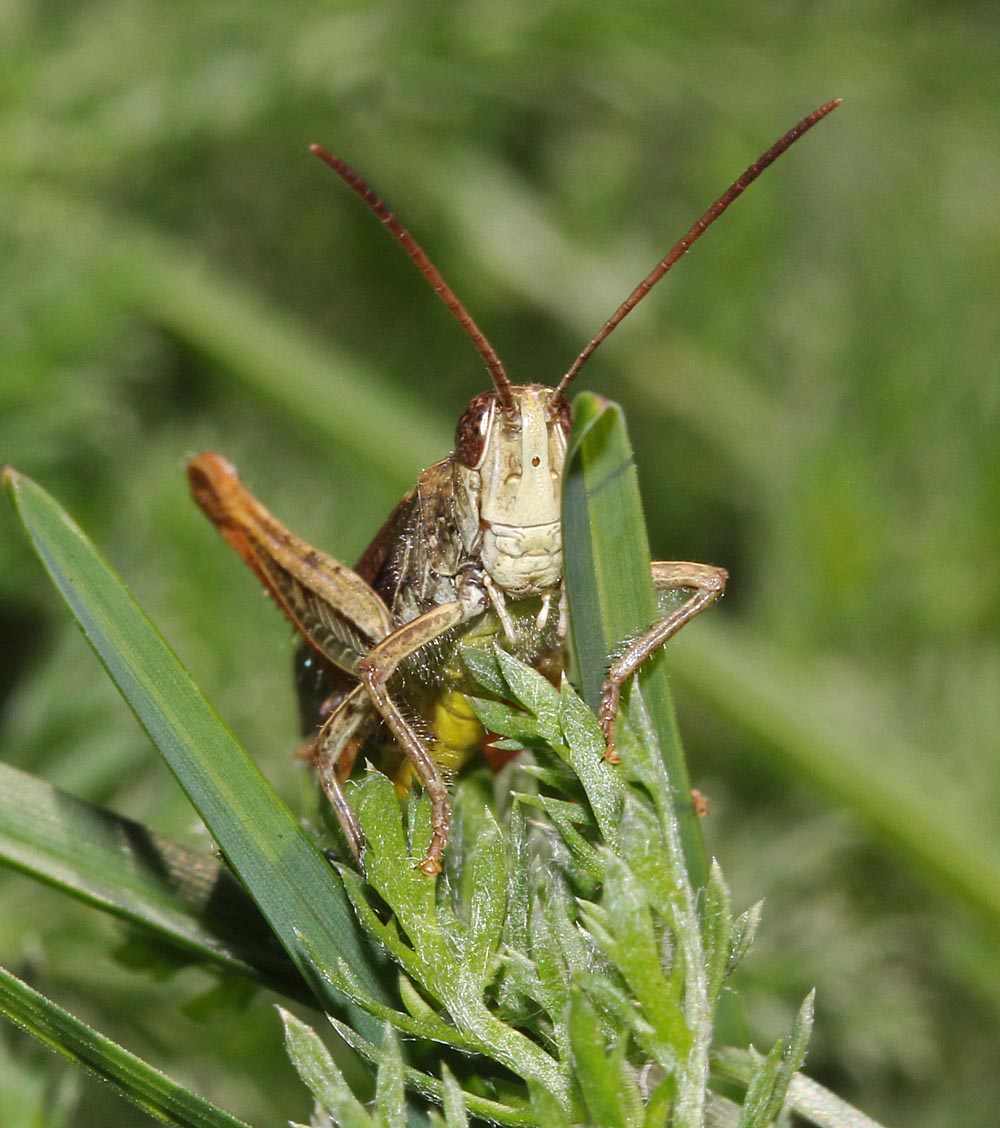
(474, 428)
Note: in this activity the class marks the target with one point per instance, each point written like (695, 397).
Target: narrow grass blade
(282, 869)
(183, 896)
(610, 592)
(135, 1079)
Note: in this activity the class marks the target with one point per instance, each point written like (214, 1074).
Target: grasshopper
(472, 555)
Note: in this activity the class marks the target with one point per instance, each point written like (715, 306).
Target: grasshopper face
(512, 461)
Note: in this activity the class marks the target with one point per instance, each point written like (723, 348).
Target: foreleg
(707, 584)
(376, 670)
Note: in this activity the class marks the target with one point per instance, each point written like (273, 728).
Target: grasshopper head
(517, 453)
(511, 442)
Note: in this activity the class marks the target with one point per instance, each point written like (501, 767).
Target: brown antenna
(699, 229)
(353, 180)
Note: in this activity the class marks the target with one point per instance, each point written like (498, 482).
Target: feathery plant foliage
(566, 951)
(563, 970)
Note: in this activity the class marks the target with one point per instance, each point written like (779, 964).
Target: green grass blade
(610, 592)
(184, 896)
(135, 1079)
(282, 869)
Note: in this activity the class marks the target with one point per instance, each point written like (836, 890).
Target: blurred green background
(813, 395)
